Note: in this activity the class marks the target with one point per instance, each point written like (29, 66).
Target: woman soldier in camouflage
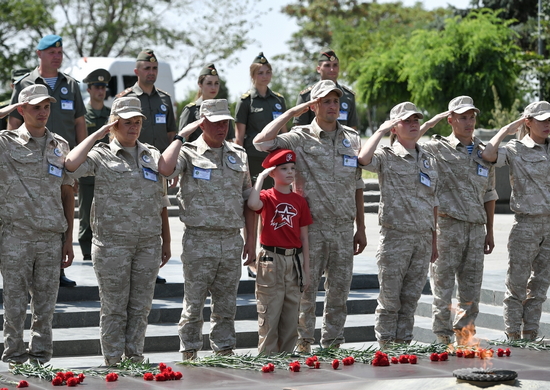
(528, 275)
(257, 107)
(209, 86)
(129, 219)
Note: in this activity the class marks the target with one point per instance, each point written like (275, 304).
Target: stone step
(371, 196)
(164, 337)
(371, 185)
(84, 314)
(371, 207)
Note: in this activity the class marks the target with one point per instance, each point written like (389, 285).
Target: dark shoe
(65, 282)
(160, 280)
(251, 273)
(87, 257)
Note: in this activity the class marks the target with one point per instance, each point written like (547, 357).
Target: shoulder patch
(245, 95)
(164, 92)
(347, 89)
(308, 89)
(124, 93)
(192, 104)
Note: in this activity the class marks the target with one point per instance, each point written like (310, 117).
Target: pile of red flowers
(313, 361)
(380, 359)
(348, 361)
(166, 374)
(404, 359)
(294, 366)
(67, 378)
(501, 352)
(269, 367)
(439, 357)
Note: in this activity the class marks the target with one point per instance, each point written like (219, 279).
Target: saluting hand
(513, 127)
(104, 130)
(190, 128)
(388, 125)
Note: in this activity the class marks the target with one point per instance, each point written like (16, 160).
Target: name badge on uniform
(350, 161)
(55, 171)
(343, 115)
(67, 105)
(201, 173)
(482, 171)
(425, 179)
(160, 118)
(276, 114)
(149, 174)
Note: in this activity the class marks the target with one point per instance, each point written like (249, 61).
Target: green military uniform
(348, 114)
(63, 113)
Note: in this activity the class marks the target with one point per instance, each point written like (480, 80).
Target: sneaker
(443, 339)
(225, 352)
(303, 348)
(513, 336)
(189, 355)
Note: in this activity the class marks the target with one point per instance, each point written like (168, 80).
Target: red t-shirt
(282, 217)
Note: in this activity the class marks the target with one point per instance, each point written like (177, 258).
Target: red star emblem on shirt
(284, 213)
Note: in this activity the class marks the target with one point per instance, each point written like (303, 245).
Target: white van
(122, 75)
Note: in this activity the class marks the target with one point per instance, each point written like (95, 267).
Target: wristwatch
(177, 136)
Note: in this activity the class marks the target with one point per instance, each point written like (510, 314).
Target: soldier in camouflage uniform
(329, 68)
(36, 210)
(467, 199)
(209, 86)
(408, 214)
(131, 236)
(328, 176)
(214, 186)
(528, 276)
(97, 115)
(256, 108)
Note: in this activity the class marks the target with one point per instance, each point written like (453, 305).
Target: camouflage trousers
(126, 278)
(278, 302)
(528, 276)
(403, 260)
(85, 198)
(211, 264)
(29, 267)
(331, 253)
(460, 246)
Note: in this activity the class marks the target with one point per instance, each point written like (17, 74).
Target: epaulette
(348, 89)
(61, 139)
(236, 146)
(245, 95)
(21, 78)
(5, 103)
(278, 94)
(437, 136)
(308, 89)
(69, 77)
(124, 93)
(191, 104)
(164, 92)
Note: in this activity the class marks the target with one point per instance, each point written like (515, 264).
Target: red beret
(279, 157)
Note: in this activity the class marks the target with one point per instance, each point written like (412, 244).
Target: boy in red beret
(283, 263)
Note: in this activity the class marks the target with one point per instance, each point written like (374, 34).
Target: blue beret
(49, 41)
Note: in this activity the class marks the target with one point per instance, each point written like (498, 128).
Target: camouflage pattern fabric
(126, 278)
(211, 264)
(278, 302)
(467, 182)
(407, 188)
(212, 190)
(460, 246)
(403, 261)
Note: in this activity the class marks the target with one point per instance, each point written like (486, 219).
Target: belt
(283, 251)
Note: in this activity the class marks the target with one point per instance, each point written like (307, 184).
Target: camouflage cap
(215, 110)
(49, 41)
(538, 110)
(461, 104)
(260, 59)
(127, 107)
(35, 94)
(327, 55)
(208, 70)
(98, 77)
(16, 73)
(405, 110)
(147, 55)
(323, 88)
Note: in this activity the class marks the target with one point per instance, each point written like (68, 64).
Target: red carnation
(148, 376)
(500, 352)
(317, 364)
(160, 377)
(179, 375)
(57, 381)
(111, 377)
(81, 377)
(413, 359)
(315, 358)
(23, 384)
(72, 382)
(380, 359)
(68, 374)
(310, 362)
(162, 366)
(265, 369)
(60, 374)
(507, 352)
(443, 356)
(271, 367)
(459, 353)
(434, 357)
(403, 359)
(394, 360)
(335, 363)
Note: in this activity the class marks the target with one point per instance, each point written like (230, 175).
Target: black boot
(64, 281)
